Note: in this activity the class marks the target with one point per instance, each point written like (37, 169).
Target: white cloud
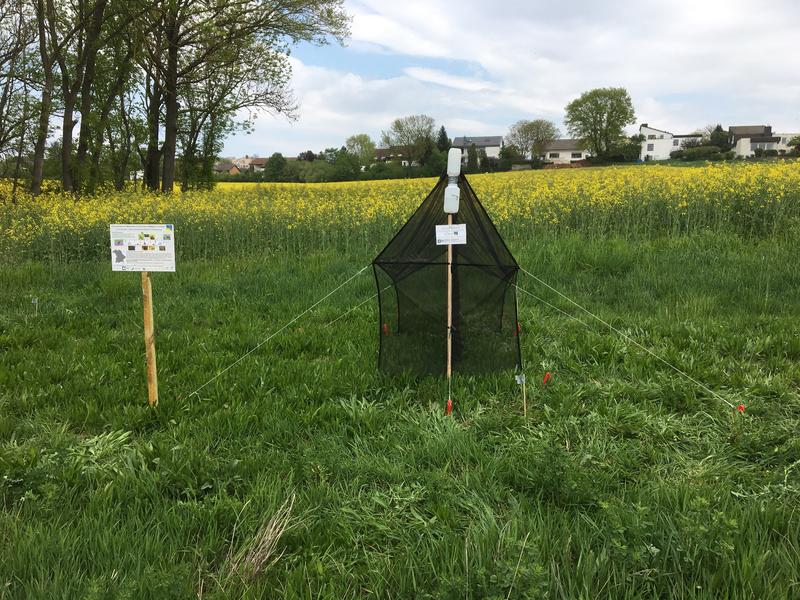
(686, 63)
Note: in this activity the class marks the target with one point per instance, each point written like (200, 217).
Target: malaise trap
(425, 283)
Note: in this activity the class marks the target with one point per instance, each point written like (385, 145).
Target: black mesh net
(411, 273)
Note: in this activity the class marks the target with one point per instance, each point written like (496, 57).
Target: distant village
(651, 144)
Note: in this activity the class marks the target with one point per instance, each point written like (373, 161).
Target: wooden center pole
(449, 304)
(149, 340)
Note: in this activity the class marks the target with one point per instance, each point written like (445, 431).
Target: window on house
(553, 155)
(676, 142)
(577, 155)
(650, 147)
(652, 136)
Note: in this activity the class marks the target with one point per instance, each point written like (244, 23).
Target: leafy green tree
(362, 147)
(347, 166)
(307, 156)
(413, 135)
(627, 150)
(509, 154)
(531, 137)
(276, 167)
(483, 164)
(443, 142)
(436, 163)
(719, 138)
(599, 118)
(472, 159)
(795, 143)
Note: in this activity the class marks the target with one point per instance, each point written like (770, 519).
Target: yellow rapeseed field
(751, 198)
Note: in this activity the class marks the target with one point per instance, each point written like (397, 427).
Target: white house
(745, 139)
(565, 151)
(492, 144)
(658, 144)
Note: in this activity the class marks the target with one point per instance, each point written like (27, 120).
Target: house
(492, 144)
(658, 144)
(243, 164)
(745, 139)
(394, 153)
(226, 167)
(257, 165)
(565, 151)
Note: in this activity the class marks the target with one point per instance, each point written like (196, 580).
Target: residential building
(394, 153)
(258, 164)
(492, 144)
(745, 139)
(565, 151)
(243, 164)
(226, 166)
(658, 144)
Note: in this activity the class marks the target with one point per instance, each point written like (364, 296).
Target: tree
(472, 159)
(719, 138)
(307, 156)
(276, 166)
(347, 166)
(628, 149)
(413, 135)
(185, 37)
(531, 137)
(443, 142)
(362, 147)
(795, 143)
(509, 154)
(483, 164)
(599, 118)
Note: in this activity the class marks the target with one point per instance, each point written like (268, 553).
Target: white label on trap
(142, 247)
(451, 234)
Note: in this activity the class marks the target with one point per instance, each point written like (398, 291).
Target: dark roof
(223, 166)
(688, 135)
(750, 129)
(381, 153)
(653, 128)
(564, 144)
(479, 141)
(258, 162)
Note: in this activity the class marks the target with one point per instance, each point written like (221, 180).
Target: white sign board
(142, 247)
(451, 234)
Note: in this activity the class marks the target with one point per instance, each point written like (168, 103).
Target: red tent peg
(547, 378)
(740, 408)
(385, 329)
(449, 408)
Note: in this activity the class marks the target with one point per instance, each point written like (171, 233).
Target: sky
(477, 67)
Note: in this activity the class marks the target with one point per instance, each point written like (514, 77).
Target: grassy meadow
(626, 480)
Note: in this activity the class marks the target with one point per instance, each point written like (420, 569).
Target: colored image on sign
(142, 247)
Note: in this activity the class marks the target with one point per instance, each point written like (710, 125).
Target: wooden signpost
(145, 248)
(149, 340)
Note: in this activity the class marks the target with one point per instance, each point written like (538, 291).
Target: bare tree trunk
(20, 145)
(67, 127)
(92, 42)
(43, 126)
(171, 105)
(42, 130)
(151, 166)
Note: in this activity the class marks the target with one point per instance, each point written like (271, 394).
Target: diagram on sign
(142, 247)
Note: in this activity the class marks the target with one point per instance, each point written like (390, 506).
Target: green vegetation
(626, 480)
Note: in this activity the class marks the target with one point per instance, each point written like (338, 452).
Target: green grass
(625, 480)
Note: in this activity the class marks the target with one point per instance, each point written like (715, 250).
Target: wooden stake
(149, 340)
(449, 304)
